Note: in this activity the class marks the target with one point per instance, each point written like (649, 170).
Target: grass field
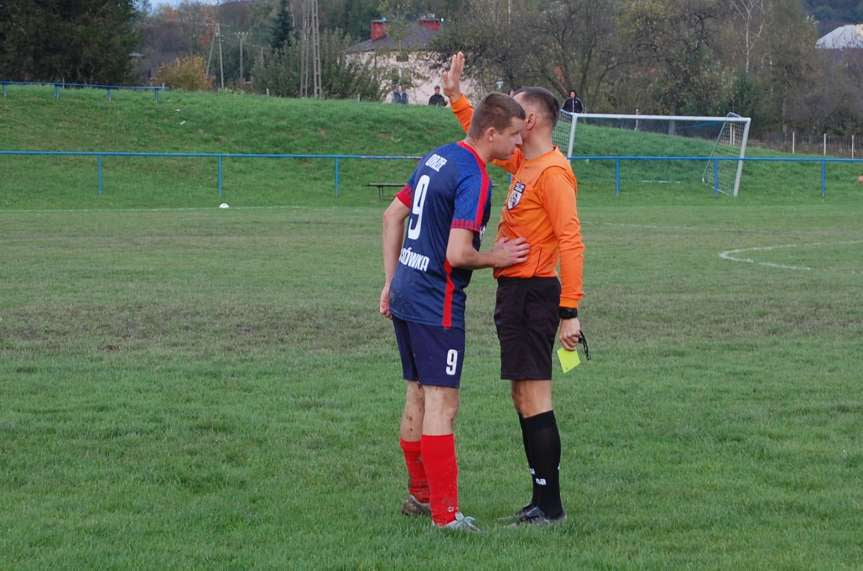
(204, 388)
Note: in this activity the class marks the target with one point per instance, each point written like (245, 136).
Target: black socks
(542, 448)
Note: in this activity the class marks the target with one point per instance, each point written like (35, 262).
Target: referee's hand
(570, 333)
(451, 78)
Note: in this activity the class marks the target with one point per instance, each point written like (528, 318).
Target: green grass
(208, 388)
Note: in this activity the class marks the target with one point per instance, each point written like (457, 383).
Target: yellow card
(568, 359)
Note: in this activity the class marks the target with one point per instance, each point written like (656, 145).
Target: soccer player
(446, 204)
(531, 302)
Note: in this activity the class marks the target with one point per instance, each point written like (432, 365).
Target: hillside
(84, 120)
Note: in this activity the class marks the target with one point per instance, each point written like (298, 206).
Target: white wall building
(843, 37)
(403, 49)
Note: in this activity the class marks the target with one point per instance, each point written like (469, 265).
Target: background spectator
(573, 104)
(437, 98)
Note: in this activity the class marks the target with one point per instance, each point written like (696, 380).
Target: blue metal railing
(715, 160)
(218, 156)
(109, 89)
(100, 155)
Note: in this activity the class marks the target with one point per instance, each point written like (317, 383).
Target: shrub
(185, 73)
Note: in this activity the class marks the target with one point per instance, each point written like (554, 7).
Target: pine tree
(283, 27)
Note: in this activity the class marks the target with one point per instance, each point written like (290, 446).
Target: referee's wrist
(567, 312)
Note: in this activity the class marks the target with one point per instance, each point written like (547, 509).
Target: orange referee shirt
(540, 206)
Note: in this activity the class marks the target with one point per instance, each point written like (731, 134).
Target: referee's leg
(532, 400)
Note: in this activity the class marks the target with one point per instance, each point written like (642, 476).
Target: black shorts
(526, 318)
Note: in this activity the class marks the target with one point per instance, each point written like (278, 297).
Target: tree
(283, 27)
(674, 41)
(351, 16)
(749, 18)
(77, 41)
(790, 61)
(498, 38)
(279, 71)
(580, 47)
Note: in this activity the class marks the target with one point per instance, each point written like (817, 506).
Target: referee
(532, 304)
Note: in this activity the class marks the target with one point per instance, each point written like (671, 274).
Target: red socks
(418, 485)
(441, 468)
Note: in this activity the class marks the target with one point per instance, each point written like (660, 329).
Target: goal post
(720, 140)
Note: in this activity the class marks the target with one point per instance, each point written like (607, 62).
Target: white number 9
(451, 362)
(419, 202)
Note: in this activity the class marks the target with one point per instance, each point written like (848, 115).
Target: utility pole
(221, 63)
(242, 36)
(210, 56)
(310, 51)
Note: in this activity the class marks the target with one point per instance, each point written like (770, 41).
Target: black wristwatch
(567, 312)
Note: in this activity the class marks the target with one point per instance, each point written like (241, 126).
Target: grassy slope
(85, 120)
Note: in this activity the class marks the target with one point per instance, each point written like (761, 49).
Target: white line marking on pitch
(730, 254)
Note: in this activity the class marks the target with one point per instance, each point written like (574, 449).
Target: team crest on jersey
(515, 195)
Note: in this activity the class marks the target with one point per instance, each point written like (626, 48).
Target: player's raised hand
(510, 251)
(451, 79)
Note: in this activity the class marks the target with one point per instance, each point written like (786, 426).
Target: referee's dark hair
(543, 97)
(496, 110)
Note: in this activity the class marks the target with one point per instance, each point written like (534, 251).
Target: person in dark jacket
(437, 99)
(574, 103)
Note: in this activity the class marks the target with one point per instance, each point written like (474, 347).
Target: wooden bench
(382, 185)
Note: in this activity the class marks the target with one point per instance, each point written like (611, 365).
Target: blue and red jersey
(450, 188)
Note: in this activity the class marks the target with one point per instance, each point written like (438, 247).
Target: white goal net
(706, 150)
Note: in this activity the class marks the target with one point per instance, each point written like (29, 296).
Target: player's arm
(393, 233)
(463, 110)
(559, 202)
(460, 252)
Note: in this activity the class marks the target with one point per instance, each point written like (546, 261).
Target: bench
(382, 185)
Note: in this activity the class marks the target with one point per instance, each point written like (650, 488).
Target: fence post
(825, 144)
(338, 178)
(220, 176)
(99, 162)
(793, 141)
(56, 91)
(4, 89)
(823, 178)
(156, 94)
(616, 177)
(852, 146)
(108, 94)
